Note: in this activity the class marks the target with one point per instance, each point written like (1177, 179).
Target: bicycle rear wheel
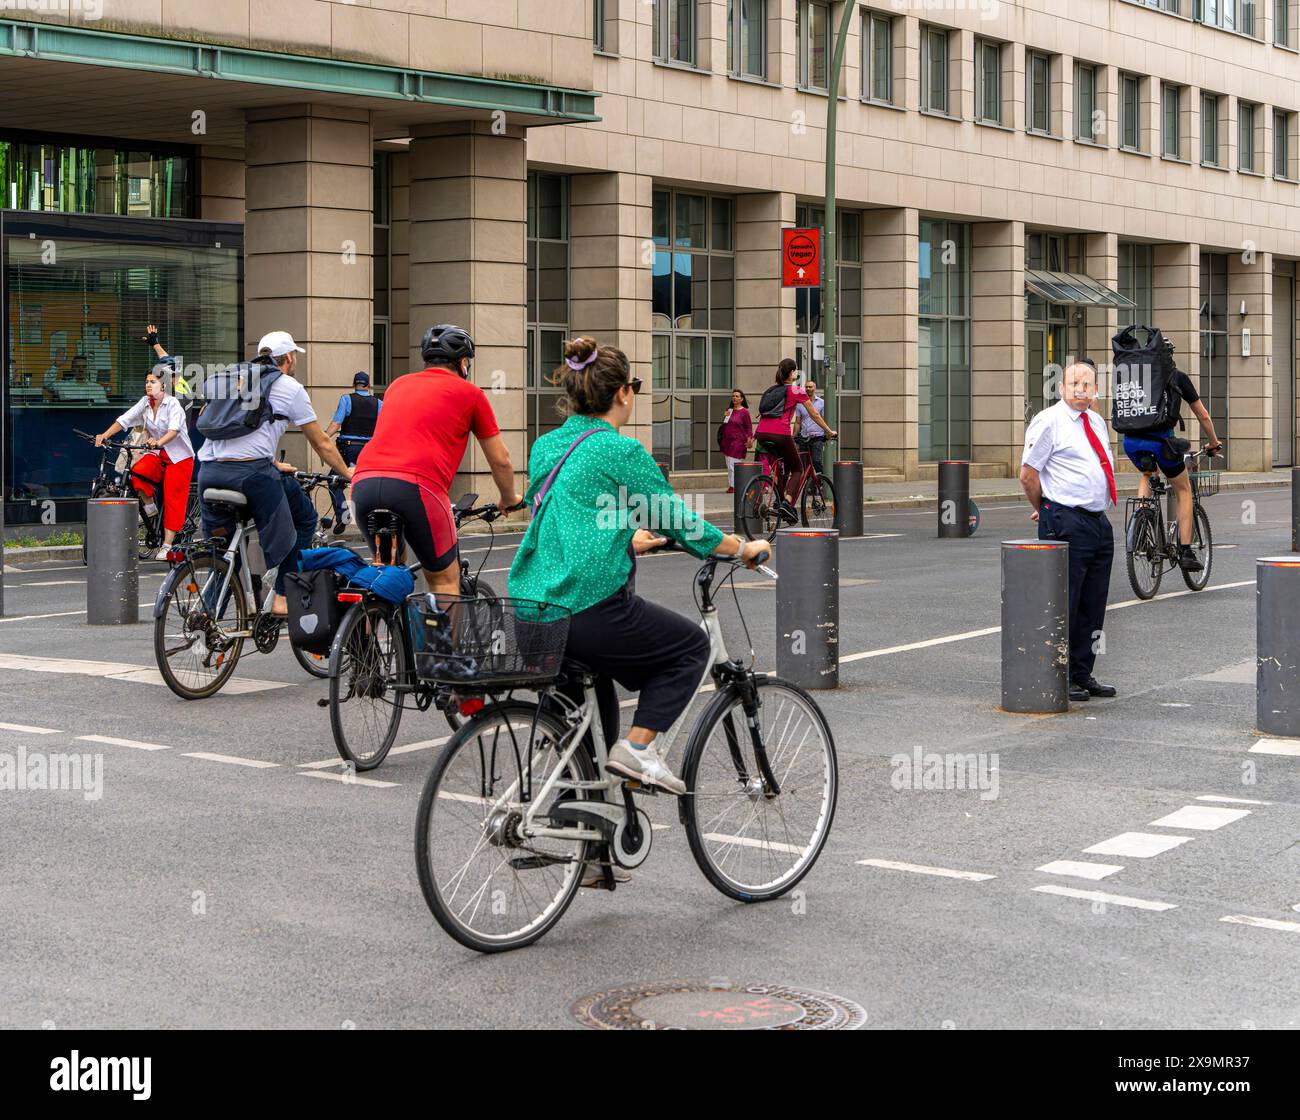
(191, 647)
(750, 844)
(1146, 563)
(1203, 546)
(760, 516)
(367, 661)
(817, 503)
(489, 886)
(315, 664)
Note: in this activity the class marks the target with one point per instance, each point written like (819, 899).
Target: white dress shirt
(170, 417)
(1057, 447)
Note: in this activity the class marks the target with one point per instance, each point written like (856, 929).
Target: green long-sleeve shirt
(576, 552)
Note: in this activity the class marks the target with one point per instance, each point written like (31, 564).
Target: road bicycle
(110, 482)
(518, 803)
(1151, 538)
(372, 657)
(763, 496)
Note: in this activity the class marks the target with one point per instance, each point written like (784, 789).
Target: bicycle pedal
(633, 786)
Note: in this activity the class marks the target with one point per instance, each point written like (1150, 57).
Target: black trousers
(1092, 550)
(646, 648)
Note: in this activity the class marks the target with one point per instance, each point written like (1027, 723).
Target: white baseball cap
(279, 343)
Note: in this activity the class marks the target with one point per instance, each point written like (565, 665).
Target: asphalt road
(203, 893)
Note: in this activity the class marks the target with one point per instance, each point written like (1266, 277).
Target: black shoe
(1078, 693)
(788, 513)
(1187, 559)
(1095, 689)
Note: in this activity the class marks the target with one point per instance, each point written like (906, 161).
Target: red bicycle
(760, 504)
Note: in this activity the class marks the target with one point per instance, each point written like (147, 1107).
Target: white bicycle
(518, 803)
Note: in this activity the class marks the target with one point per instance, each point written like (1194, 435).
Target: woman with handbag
(735, 435)
(593, 492)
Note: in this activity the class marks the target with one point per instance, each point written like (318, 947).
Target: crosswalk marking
(117, 671)
(134, 743)
(754, 842)
(348, 779)
(1200, 818)
(1262, 923)
(1108, 899)
(1231, 800)
(255, 763)
(1080, 869)
(27, 730)
(1138, 845)
(922, 869)
(1277, 746)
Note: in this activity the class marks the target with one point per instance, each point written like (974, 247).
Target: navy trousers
(1092, 551)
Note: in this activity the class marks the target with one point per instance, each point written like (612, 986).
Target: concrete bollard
(112, 572)
(808, 607)
(1035, 626)
(1295, 509)
(745, 473)
(846, 477)
(1277, 646)
(954, 499)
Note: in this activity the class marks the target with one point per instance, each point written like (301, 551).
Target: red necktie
(1101, 454)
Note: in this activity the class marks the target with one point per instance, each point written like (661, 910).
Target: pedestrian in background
(735, 435)
(810, 433)
(1069, 478)
(354, 425)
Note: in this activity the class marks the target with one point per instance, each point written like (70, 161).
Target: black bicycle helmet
(445, 345)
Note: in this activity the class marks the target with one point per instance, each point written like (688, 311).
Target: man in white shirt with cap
(1068, 476)
(247, 463)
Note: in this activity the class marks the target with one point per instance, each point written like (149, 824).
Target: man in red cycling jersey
(419, 441)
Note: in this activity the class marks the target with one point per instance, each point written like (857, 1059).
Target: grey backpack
(236, 399)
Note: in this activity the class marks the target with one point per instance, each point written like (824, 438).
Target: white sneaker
(594, 876)
(643, 765)
(163, 552)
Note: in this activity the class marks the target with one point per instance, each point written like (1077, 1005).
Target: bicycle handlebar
(334, 481)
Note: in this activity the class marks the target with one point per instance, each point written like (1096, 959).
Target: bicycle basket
(1206, 483)
(485, 644)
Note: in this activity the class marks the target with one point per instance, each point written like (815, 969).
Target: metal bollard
(1035, 626)
(112, 573)
(1295, 509)
(954, 499)
(744, 475)
(1277, 646)
(846, 477)
(808, 607)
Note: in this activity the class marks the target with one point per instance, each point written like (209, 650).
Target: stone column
(1101, 262)
(307, 241)
(889, 339)
(1250, 380)
(1176, 302)
(998, 343)
(221, 184)
(468, 233)
(765, 326)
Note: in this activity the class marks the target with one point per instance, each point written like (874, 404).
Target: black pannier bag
(314, 609)
(1142, 393)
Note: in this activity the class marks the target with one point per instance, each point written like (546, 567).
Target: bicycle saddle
(386, 529)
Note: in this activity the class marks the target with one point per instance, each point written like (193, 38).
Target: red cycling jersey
(424, 427)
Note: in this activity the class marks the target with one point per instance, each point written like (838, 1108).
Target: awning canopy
(1073, 289)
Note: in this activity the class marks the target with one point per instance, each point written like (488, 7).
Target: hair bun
(580, 349)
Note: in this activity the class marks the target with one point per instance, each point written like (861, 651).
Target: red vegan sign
(801, 258)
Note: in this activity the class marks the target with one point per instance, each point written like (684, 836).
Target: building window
(1136, 272)
(877, 57)
(934, 69)
(693, 325)
(1130, 87)
(1231, 15)
(747, 37)
(1214, 338)
(944, 332)
(598, 24)
(1038, 92)
(988, 81)
(1282, 22)
(547, 296)
(1085, 101)
(1282, 144)
(674, 31)
(1210, 129)
(814, 43)
(1247, 115)
(1170, 125)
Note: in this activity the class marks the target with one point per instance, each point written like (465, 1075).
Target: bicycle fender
(160, 603)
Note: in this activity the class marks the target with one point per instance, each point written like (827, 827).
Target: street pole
(830, 253)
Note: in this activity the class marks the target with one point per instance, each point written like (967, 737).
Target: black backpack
(771, 405)
(1142, 397)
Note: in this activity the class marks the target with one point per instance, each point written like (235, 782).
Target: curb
(36, 555)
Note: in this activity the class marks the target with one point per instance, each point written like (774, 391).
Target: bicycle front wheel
(817, 503)
(752, 844)
(1203, 546)
(367, 663)
(191, 642)
(1146, 562)
(489, 886)
(760, 505)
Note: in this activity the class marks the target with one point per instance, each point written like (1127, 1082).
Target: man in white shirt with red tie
(1068, 476)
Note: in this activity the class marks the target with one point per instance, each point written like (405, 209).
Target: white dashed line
(348, 779)
(1200, 818)
(133, 743)
(921, 869)
(1289, 747)
(1080, 869)
(255, 763)
(27, 730)
(1137, 845)
(1231, 800)
(1262, 923)
(754, 842)
(1108, 899)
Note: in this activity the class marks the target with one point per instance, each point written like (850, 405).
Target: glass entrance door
(1045, 345)
(1283, 371)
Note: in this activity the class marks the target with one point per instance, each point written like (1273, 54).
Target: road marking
(122, 742)
(323, 764)
(1243, 672)
(1262, 923)
(348, 779)
(255, 763)
(467, 797)
(1179, 594)
(47, 583)
(1080, 869)
(1231, 800)
(921, 869)
(922, 645)
(752, 842)
(1103, 896)
(1277, 746)
(1201, 818)
(118, 671)
(1138, 845)
(145, 605)
(28, 730)
(422, 745)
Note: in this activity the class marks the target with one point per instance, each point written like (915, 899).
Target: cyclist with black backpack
(248, 407)
(775, 408)
(1147, 401)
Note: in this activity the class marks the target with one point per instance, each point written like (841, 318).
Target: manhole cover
(712, 1005)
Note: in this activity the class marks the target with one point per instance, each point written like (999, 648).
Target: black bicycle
(110, 482)
(372, 658)
(1151, 539)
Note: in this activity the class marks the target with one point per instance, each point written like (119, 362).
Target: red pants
(175, 477)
